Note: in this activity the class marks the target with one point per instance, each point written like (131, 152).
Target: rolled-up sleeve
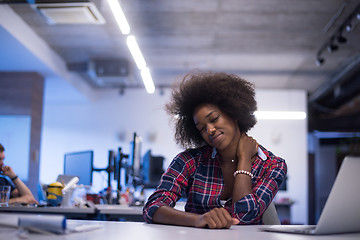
(250, 208)
(172, 183)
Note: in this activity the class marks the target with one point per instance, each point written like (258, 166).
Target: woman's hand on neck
(247, 147)
(230, 153)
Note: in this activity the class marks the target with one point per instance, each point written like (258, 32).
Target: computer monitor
(152, 169)
(79, 164)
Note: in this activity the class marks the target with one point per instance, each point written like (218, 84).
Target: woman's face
(216, 127)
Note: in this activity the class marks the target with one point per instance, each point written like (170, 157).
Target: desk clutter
(126, 174)
(77, 201)
(97, 212)
(67, 193)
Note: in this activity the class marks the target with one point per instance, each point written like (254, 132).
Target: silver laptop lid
(65, 179)
(341, 212)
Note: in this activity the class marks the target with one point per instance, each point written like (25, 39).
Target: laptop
(341, 213)
(65, 179)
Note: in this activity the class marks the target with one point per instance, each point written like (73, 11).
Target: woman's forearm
(242, 182)
(169, 215)
(215, 218)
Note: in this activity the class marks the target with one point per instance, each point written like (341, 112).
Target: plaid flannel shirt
(196, 173)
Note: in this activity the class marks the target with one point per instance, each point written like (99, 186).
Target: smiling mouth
(214, 137)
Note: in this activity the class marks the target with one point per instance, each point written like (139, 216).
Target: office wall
(15, 137)
(21, 97)
(287, 139)
(105, 124)
(110, 121)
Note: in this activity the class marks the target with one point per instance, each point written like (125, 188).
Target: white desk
(48, 209)
(98, 212)
(119, 209)
(69, 212)
(143, 231)
(116, 212)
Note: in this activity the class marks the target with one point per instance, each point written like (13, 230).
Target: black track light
(332, 47)
(341, 39)
(333, 43)
(319, 61)
(348, 27)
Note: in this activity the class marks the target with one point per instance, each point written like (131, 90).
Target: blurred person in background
(19, 193)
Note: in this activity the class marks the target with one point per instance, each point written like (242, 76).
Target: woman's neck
(225, 156)
(230, 153)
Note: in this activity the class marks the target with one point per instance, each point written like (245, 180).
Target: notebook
(341, 213)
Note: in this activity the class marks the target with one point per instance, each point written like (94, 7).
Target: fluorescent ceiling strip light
(119, 16)
(280, 115)
(132, 45)
(141, 64)
(148, 82)
(135, 52)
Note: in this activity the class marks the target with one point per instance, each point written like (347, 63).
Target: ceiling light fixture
(319, 61)
(132, 45)
(119, 16)
(135, 52)
(330, 44)
(341, 39)
(348, 27)
(332, 47)
(280, 115)
(148, 82)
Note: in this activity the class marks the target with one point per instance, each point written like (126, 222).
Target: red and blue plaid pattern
(197, 175)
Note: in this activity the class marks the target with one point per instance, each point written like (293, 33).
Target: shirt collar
(214, 152)
(261, 154)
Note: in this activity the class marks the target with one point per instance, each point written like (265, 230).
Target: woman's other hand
(216, 218)
(247, 147)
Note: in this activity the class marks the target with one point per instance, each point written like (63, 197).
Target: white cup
(4, 196)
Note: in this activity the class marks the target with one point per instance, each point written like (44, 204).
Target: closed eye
(214, 119)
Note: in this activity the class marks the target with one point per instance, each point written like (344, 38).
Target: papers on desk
(46, 224)
(37, 223)
(82, 227)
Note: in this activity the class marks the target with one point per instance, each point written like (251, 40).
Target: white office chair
(270, 216)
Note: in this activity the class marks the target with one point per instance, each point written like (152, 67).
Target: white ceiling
(272, 43)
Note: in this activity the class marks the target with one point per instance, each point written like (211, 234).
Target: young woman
(227, 177)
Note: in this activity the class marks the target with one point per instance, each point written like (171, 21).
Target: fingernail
(236, 221)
